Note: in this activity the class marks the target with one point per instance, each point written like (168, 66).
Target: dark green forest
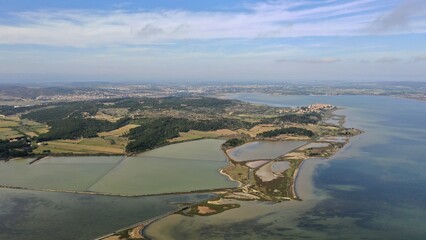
(17, 148)
(305, 118)
(77, 128)
(155, 132)
(290, 130)
(234, 142)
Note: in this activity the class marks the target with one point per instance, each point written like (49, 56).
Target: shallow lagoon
(263, 150)
(56, 173)
(37, 215)
(146, 176)
(206, 150)
(182, 167)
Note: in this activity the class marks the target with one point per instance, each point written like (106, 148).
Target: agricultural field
(13, 127)
(118, 132)
(195, 134)
(134, 125)
(85, 146)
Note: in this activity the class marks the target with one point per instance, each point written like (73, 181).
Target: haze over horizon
(239, 40)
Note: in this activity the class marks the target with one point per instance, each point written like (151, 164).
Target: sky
(221, 40)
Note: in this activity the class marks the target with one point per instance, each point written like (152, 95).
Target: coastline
(301, 183)
(303, 186)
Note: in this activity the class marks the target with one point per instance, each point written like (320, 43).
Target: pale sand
(136, 232)
(256, 164)
(265, 173)
(272, 170)
(205, 210)
(242, 196)
(295, 155)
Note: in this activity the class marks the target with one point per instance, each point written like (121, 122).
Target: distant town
(33, 95)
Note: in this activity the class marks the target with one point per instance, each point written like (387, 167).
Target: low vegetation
(206, 209)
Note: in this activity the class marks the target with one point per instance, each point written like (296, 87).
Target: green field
(107, 145)
(12, 127)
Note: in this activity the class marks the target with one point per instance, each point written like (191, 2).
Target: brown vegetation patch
(203, 210)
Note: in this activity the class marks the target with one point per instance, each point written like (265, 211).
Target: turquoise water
(374, 188)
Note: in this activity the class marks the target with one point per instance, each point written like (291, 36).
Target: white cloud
(271, 19)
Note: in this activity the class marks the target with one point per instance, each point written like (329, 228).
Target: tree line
(155, 132)
(289, 130)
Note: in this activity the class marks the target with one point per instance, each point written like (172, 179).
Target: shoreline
(296, 180)
(303, 186)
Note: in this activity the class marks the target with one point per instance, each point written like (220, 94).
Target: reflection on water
(371, 189)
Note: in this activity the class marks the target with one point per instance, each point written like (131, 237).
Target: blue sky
(277, 40)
